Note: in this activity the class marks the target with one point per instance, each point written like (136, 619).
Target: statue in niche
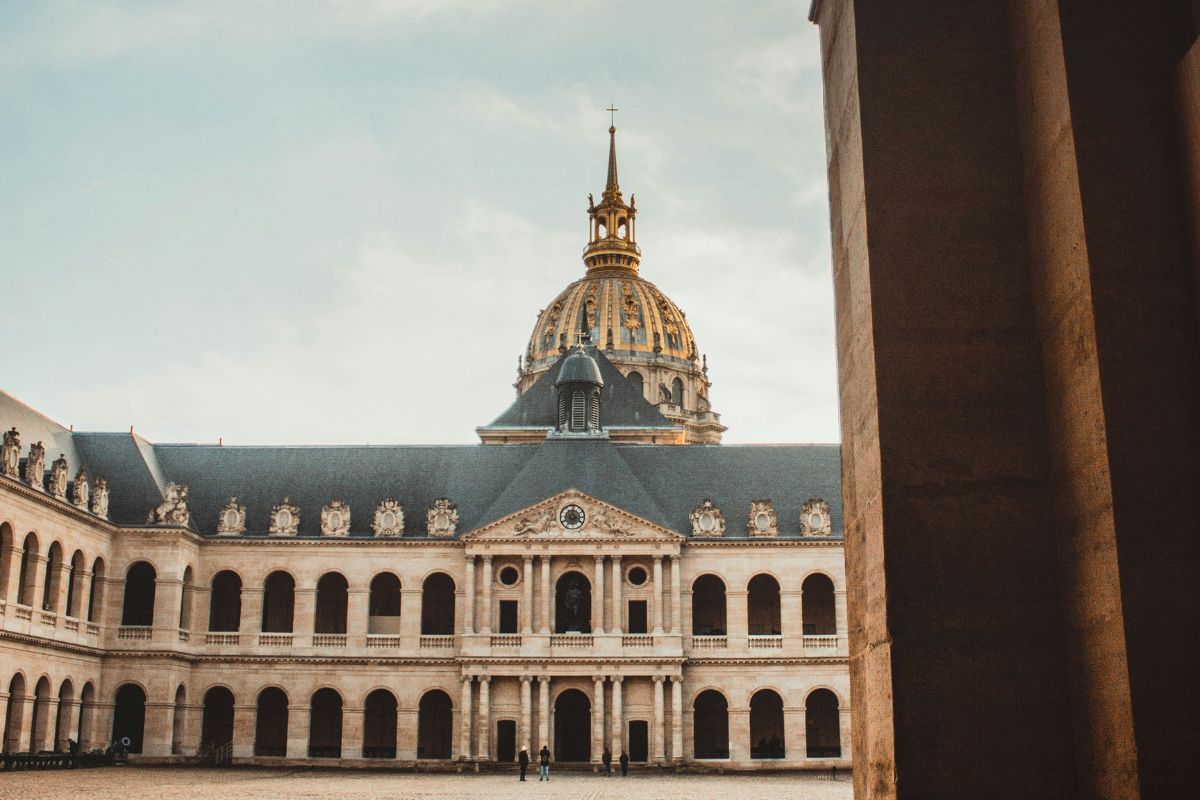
(58, 477)
(541, 522)
(100, 498)
(35, 467)
(173, 509)
(10, 460)
(79, 495)
(573, 605)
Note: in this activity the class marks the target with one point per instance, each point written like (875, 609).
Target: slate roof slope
(621, 404)
(134, 488)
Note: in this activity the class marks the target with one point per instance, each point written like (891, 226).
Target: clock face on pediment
(572, 517)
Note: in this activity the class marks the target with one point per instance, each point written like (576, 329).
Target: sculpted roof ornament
(815, 519)
(10, 455)
(762, 519)
(442, 518)
(35, 467)
(232, 519)
(79, 493)
(389, 519)
(58, 477)
(540, 522)
(707, 520)
(285, 519)
(173, 509)
(335, 519)
(100, 498)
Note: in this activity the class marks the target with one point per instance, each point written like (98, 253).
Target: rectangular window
(508, 616)
(637, 616)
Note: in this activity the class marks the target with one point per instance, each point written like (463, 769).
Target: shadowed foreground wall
(1013, 222)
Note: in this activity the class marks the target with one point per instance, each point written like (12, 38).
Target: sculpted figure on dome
(58, 477)
(100, 498)
(35, 467)
(541, 522)
(79, 492)
(10, 456)
(173, 509)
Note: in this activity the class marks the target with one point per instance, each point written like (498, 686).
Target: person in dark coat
(544, 762)
(606, 760)
(523, 761)
(624, 764)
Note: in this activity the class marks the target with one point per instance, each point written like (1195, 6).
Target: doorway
(639, 740)
(506, 740)
(508, 616)
(637, 616)
(572, 727)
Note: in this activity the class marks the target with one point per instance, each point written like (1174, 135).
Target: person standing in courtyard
(544, 762)
(624, 764)
(606, 760)
(523, 761)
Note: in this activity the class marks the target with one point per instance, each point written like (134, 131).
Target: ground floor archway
(379, 725)
(435, 718)
(710, 724)
(572, 727)
(271, 723)
(822, 728)
(216, 726)
(325, 725)
(129, 717)
(766, 725)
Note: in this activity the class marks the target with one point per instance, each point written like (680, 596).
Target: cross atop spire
(612, 114)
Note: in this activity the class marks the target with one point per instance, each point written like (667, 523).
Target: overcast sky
(324, 222)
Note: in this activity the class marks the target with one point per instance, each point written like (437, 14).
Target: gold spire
(612, 224)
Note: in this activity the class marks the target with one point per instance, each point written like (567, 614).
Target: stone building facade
(582, 579)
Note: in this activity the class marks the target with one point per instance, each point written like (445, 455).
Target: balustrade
(430, 642)
(275, 640)
(329, 640)
(506, 640)
(383, 641)
(710, 642)
(222, 638)
(766, 642)
(135, 632)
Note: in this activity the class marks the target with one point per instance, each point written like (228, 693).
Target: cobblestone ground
(169, 783)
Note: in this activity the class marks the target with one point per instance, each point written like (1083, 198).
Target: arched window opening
(216, 726)
(635, 379)
(62, 718)
(763, 606)
(53, 578)
(578, 410)
(435, 717)
(87, 716)
(129, 717)
(225, 602)
(14, 714)
(279, 602)
(332, 591)
(623, 228)
(28, 582)
(186, 593)
(573, 604)
(677, 392)
(325, 725)
(437, 605)
(383, 608)
(379, 725)
(138, 605)
(177, 720)
(572, 726)
(822, 729)
(41, 718)
(96, 592)
(817, 606)
(766, 725)
(710, 721)
(271, 723)
(7, 537)
(708, 606)
(74, 577)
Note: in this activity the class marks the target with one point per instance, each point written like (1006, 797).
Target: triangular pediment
(572, 515)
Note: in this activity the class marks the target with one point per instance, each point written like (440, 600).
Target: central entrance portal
(572, 727)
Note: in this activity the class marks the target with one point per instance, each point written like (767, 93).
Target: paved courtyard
(167, 783)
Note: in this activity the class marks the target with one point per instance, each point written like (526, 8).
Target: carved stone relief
(100, 498)
(10, 455)
(335, 519)
(173, 509)
(58, 477)
(80, 491)
(389, 519)
(707, 520)
(35, 467)
(232, 519)
(442, 518)
(815, 519)
(762, 520)
(540, 522)
(285, 519)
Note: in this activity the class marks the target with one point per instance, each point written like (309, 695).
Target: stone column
(250, 624)
(465, 718)
(189, 717)
(156, 739)
(168, 599)
(357, 611)
(64, 582)
(201, 607)
(598, 597)
(304, 622)
(299, 718)
(485, 613)
(543, 712)
(795, 737)
(410, 617)
(739, 734)
(657, 595)
(88, 729)
(84, 591)
(245, 720)
(46, 717)
(844, 730)
(102, 727)
(407, 720)
(618, 718)
(485, 716)
(352, 731)
(659, 719)
(526, 714)
(791, 617)
(618, 609)
(676, 597)
(598, 711)
(547, 596)
(38, 565)
(677, 719)
(69, 711)
(527, 598)
(25, 735)
(839, 611)
(469, 597)
(12, 558)
(737, 624)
